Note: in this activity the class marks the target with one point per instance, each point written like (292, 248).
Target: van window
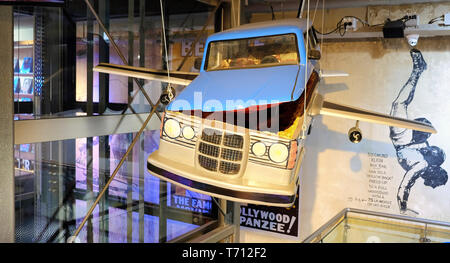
(252, 52)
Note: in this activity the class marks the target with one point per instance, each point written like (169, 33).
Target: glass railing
(359, 226)
(57, 182)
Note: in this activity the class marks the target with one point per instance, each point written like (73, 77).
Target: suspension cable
(315, 10)
(306, 70)
(300, 8)
(165, 45)
(323, 24)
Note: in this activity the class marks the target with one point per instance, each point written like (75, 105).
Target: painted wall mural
(414, 153)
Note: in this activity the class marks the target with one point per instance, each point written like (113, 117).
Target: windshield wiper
(295, 83)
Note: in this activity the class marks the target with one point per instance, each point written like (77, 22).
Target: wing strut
(321, 106)
(176, 77)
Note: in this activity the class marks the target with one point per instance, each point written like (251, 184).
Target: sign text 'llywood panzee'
(237, 131)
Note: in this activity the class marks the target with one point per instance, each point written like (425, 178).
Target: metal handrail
(199, 231)
(217, 235)
(399, 217)
(327, 227)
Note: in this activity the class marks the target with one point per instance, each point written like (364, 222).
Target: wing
(321, 106)
(176, 77)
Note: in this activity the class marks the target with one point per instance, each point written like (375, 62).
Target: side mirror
(314, 54)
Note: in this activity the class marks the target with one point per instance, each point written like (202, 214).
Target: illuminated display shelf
(23, 95)
(23, 74)
(28, 51)
(24, 44)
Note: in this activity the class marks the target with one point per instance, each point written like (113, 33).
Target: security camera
(355, 134)
(412, 39)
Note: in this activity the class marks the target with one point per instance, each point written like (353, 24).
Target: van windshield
(252, 52)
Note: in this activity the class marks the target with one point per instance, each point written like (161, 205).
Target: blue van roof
(273, 27)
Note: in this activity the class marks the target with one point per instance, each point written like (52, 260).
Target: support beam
(141, 161)
(166, 66)
(129, 163)
(103, 178)
(7, 225)
(233, 13)
(90, 185)
(237, 12)
(89, 63)
(103, 79)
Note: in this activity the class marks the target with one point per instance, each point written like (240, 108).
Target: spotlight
(355, 134)
(167, 96)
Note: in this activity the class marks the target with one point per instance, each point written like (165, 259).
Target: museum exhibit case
(361, 226)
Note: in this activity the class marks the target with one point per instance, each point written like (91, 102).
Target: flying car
(237, 131)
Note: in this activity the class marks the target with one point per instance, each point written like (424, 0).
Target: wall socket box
(413, 21)
(353, 21)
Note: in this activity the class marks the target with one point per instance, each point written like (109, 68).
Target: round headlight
(259, 148)
(188, 133)
(172, 128)
(278, 152)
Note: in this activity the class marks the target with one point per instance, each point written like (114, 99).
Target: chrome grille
(212, 136)
(231, 155)
(208, 163)
(233, 140)
(209, 149)
(220, 151)
(229, 168)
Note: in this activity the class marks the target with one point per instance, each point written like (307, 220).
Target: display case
(23, 69)
(360, 226)
(23, 58)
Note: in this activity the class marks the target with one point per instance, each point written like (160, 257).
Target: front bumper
(229, 194)
(233, 189)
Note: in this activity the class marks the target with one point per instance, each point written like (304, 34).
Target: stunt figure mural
(414, 154)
